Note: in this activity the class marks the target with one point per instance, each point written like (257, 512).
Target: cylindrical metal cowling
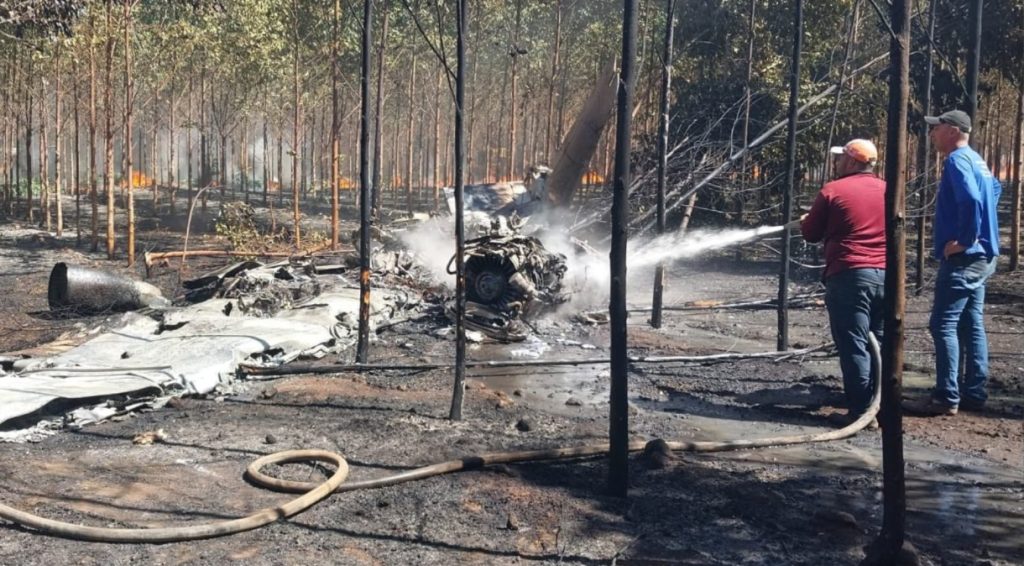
(91, 291)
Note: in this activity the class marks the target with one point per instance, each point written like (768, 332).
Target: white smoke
(588, 275)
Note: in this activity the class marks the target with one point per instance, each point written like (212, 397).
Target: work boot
(971, 405)
(929, 407)
(843, 420)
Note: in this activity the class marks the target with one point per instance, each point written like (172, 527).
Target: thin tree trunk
(7, 115)
(77, 163)
(58, 177)
(266, 163)
(280, 164)
(205, 175)
(744, 173)
(471, 161)
(188, 137)
(378, 117)
(514, 52)
(554, 74)
(409, 148)
(394, 162)
(44, 158)
(436, 171)
(890, 543)
(1018, 175)
(295, 126)
(243, 162)
(172, 157)
(924, 155)
(154, 164)
(335, 142)
(223, 151)
(28, 139)
(128, 85)
(108, 137)
(787, 195)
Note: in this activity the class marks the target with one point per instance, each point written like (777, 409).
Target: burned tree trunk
(924, 155)
(787, 195)
(891, 540)
(455, 413)
(363, 342)
(618, 411)
(666, 85)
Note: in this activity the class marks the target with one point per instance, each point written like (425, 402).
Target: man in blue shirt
(966, 245)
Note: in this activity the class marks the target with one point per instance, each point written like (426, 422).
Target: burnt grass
(817, 504)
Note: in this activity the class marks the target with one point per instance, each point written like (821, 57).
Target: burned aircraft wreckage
(511, 276)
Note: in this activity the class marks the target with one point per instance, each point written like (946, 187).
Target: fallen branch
(342, 368)
(151, 258)
(798, 301)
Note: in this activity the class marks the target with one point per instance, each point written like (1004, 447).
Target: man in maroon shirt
(849, 216)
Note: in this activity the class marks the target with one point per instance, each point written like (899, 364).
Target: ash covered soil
(809, 504)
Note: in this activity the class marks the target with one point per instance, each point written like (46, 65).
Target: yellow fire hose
(314, 493)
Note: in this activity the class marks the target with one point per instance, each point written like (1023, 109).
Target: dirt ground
(809, 504)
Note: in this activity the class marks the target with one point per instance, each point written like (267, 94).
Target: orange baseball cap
(861, 150)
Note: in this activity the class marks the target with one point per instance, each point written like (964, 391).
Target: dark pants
(854, 300)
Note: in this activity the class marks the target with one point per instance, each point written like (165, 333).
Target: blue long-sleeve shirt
(965, 207)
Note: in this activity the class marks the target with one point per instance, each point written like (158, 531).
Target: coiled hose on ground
(313, 493)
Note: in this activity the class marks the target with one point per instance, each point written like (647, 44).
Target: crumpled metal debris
(258, 290)
(509, 279)
(504, 199)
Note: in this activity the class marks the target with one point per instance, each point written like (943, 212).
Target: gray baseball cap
(956, 118)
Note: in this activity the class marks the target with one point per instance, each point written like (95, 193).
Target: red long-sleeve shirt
(849, 216)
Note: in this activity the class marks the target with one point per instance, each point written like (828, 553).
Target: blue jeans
(854, 300)
(957, 320)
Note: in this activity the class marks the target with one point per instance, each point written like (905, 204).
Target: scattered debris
(151, 437)
(512, 522)
(263, 316)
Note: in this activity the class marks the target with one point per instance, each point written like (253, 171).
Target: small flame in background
(139, 179)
